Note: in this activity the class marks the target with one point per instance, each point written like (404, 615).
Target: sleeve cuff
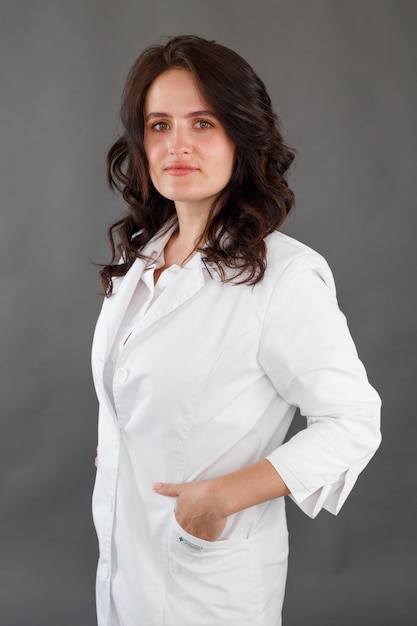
(311, 501)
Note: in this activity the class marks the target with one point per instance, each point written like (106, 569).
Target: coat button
(109, 503)
(105, 571)
(122, 374)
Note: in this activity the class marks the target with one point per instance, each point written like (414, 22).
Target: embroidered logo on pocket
(189, 545)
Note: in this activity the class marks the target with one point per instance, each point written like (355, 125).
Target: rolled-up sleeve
(308, 353)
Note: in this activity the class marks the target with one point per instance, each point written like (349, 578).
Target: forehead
(174, 90)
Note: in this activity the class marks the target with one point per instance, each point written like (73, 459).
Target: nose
(179, 142)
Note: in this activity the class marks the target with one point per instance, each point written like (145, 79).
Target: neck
(192, 220)
(182, 243)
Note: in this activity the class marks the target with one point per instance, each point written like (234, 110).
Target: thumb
(168, 489)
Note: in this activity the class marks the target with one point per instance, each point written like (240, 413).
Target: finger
(168, 489)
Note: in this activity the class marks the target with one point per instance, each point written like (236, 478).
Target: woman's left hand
(199, 510)
(204, 505)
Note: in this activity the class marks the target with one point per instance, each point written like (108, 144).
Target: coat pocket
(210, 582)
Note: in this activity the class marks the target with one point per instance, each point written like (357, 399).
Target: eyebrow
(204, 112)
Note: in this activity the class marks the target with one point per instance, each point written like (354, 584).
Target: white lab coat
(207, 384)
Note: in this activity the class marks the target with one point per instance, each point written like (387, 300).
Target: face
(190, 156)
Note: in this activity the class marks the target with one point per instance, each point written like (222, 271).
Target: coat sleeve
(308, 353)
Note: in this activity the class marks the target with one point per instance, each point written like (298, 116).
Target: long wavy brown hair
(257, 198)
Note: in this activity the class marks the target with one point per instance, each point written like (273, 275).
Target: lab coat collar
(188, 282)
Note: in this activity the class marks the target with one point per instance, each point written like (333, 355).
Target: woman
(215, 327)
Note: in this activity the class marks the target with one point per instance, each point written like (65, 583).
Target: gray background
(342, 75)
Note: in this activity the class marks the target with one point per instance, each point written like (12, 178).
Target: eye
(203, 124)
(160, 126)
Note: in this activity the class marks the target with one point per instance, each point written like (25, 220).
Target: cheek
(147, 148)
(229, 152)
(230, 160)
(151, 148)
(152, 158)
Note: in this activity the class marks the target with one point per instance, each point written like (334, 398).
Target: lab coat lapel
(187, 283)
(117, 304)
(184, 286)
(124, 288)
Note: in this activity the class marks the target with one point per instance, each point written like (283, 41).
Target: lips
(180, 169)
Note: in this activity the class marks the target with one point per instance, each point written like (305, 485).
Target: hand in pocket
(199, 509)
